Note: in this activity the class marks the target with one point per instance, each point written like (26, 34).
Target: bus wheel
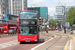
(38, 40)
(21, 42)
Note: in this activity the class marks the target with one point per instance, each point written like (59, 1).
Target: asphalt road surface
(58, 43)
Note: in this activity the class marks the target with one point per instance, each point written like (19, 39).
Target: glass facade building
(60, 9)
(16, 5)
(42, 11)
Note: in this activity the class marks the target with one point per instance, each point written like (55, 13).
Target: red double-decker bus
(8, 24)
(28, 26)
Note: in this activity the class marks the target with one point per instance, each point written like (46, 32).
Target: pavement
(6, 35)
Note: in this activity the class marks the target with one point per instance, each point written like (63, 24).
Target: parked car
(53, 28)
(11, 31)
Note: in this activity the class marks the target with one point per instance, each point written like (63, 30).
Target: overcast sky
(51, 4)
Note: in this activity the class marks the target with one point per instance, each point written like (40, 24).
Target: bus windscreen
(28, 15)
(27, 30)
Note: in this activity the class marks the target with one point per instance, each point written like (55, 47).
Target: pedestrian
(46, 30)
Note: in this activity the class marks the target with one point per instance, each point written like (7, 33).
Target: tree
(70, 16)
(52, 22)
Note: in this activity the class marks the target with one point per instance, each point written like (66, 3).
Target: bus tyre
(21, 42)
(38, 40)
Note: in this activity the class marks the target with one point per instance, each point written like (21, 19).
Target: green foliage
(52, 22)
(70, 16)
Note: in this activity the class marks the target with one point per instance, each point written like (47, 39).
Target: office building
(60, 13)
(16, 5)
(59, 9)
(4, 7)
(60, 17)
(42, 11)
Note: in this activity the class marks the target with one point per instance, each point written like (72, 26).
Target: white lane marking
(7, 44)
(70, 44)
(41, 44)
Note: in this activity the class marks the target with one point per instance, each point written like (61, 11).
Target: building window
(1, 0)
(9, 0)
(14, 0)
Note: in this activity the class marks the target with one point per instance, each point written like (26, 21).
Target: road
(46, 42)
(57, 43)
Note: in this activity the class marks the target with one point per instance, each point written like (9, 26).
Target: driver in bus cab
(31, 30)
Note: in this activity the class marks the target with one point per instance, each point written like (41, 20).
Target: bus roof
(29, 10)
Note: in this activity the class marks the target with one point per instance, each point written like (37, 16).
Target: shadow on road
(40, 41)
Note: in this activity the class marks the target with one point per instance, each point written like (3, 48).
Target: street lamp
(64, 19)
(64, 16)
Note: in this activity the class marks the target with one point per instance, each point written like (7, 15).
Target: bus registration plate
(27, 41)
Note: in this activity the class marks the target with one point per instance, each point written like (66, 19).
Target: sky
(51, 4)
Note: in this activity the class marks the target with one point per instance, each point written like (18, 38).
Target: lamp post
(64, 19)
(64, 16)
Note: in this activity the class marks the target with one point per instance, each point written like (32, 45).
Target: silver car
(11, 31)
